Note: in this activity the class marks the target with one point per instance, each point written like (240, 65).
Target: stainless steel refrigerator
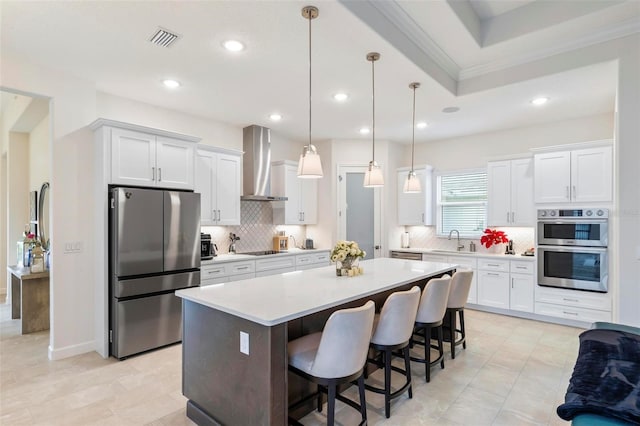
(154, 248)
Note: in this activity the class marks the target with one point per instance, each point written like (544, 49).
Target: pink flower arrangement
(493, 237)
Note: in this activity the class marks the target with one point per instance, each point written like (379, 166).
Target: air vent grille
(163, 37)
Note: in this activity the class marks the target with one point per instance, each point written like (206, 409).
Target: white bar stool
(460, 286)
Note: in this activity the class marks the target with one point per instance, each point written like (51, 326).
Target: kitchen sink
(453, 251)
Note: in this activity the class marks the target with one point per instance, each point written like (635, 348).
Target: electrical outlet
(73, 247)
(244, 342)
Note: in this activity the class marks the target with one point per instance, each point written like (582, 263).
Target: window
(462, 203)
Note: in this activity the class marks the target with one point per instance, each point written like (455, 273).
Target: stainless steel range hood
(256, 165)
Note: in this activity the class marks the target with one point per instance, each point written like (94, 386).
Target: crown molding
(404, 23)
(622, 29)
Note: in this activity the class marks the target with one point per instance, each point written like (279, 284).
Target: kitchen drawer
(312, 258)
(268, 272)
(468, 263)
(213, 271)
(245, 267)
(574, 298)
(276, 262)
(573, 313)
(520, 267)
(493, 265)
(434, 258)
(227, 279)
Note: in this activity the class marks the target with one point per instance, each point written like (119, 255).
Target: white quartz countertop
(279, 298)
(223, 258)
(464, 253)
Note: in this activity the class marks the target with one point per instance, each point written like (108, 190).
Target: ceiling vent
(164, 38)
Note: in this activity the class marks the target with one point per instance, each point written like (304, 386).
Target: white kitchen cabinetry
(146, 159)
(510, 185)
(217, 273)
(301, 208)
(573, 304)
(493, 283)
(218, 180)
(312, 260)
(275, 265)
(416, 208)
(578, 176)
(521, 292)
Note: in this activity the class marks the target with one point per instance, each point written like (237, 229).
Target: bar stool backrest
(460, 286)
(433, 302)
(345, 342)
(397, 317)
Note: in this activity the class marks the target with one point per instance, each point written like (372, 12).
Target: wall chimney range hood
(256, 165)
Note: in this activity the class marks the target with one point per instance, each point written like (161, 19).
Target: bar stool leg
(452, 333)
(441, 346)
(363, 402)
(407, 367)
(464, 340)
(427, 352)
(387, 382)
(331, 407)
(319, 399)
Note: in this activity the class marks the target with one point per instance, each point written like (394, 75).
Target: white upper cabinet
(416, 208)
(301, 207)
(510, 193)
(580, 176)
(142, 158)
(218, 181)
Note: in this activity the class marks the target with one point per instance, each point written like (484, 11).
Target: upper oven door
(572, 232)
(578, 268)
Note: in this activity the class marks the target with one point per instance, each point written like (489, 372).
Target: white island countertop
(276, 299)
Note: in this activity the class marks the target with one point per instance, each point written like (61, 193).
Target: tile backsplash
(256, 231)
(425, 237)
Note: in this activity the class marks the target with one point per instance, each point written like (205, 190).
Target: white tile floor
(513, 372)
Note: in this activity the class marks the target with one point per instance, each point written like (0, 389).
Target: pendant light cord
(310, 17)
(413, 128)
(373, 91)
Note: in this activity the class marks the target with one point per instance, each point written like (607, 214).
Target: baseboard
(73, 350)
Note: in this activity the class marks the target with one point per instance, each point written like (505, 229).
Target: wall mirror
(43, 215)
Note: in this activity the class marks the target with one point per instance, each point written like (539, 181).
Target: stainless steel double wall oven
(573, 249)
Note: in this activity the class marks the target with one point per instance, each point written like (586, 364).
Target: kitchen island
(235, 334)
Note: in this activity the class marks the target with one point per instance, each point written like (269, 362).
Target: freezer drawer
(145, 323)
(155, 284)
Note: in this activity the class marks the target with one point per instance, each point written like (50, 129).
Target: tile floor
(513, 372)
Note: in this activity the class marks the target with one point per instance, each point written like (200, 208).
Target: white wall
(39, 155)
(475, 150)
(17, 190)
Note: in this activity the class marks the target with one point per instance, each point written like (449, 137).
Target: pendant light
(373, 177)
(412, 184)
(309, 165)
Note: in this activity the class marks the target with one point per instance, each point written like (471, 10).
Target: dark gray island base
(226, 386)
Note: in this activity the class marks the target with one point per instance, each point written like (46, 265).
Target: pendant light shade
(309, 165)
(412, 184)
(373, 177)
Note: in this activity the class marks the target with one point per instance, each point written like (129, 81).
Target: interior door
(359, 211)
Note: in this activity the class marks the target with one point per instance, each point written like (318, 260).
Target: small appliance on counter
(404, 240)
(308, 244)
(472, 246)
(509, 249)
(206, 247)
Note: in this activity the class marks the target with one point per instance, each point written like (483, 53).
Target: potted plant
(493, 237)
(346, 255)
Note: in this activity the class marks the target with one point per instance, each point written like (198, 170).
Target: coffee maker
(207, 251)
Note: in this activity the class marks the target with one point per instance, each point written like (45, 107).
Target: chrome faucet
(460, 246)
(233, 238)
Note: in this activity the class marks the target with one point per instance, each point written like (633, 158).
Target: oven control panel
(573, 213)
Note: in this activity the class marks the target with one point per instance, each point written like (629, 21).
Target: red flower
(493, 237)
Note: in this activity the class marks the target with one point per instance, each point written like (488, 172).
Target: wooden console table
(30, 298)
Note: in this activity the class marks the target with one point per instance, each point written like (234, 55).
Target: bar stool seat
(431, 310)
(392, 331)
(335, 356)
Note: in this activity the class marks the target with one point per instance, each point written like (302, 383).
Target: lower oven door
(577, 268)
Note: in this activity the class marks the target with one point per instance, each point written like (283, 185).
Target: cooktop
(260, 253)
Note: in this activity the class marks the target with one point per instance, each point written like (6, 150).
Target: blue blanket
(606, 377)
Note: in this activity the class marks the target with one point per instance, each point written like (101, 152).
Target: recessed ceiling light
(172, 84)
(449, 110)
(275, 117)
(422, 125)
(340, 97)
(364, 131)
(233, 45)
(540, 101)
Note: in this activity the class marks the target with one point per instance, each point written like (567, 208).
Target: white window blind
(462, 203)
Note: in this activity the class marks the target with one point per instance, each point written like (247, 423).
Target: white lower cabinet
(493, 289)
(573, 304)
(275, 265)
(521, 291)
(226, 272)
(312, 260)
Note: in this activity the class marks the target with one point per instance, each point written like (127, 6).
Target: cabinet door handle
(574, 192)
(218, 215)
(570, 300)
(213, 213)
(493, 264)
(153, 173)
(492, 274)
(422, 217)
(513, 217)
(241, 268)
(215, 271)
(511, 282)
(570, 313)
(507, 217)
(521, 267)
(159, 174)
